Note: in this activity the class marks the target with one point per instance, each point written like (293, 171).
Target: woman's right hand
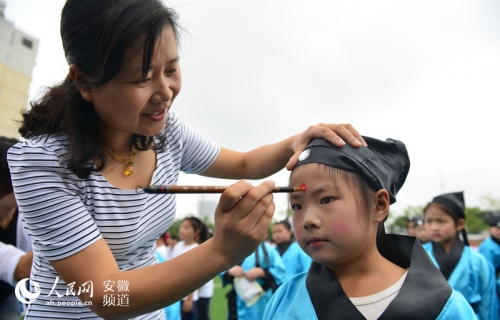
(242, 219)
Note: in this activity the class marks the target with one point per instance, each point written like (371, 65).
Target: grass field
(218, 304)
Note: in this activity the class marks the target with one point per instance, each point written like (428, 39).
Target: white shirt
(372, 307)
(180, 248)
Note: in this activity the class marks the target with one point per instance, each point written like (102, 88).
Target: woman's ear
(382, 204)
(77, 76)
(460, 224)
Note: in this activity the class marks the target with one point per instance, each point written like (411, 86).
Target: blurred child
(490, 247)
(294, 258)
(411, 226)
(466, 270)
(358, 271)
(173, 311)
(420, 231)
(206, 292)
(265, 266)
(191, 232)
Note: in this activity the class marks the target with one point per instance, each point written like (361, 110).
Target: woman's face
(327, 221)
(130, 103)
(281, 234)
(440, 226)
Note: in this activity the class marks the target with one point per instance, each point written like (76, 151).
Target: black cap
(419, 221)
(383, 164)
(454, 201)
(493, 219)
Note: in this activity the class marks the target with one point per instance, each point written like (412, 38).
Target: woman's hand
(337, 134)
(242, 219)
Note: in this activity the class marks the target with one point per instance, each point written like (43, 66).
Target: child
(490, 248)
(173, 311)
(265, 266)
(420, 231)
(294, 258)
(411, 226)
(466, 270)
(192, 232)
(358, 272)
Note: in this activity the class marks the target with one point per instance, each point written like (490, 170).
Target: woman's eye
(295, 207)
(144, 81)
(171, 71)
(327, 200)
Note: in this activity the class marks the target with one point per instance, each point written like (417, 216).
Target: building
(17, 59)
(206, 209)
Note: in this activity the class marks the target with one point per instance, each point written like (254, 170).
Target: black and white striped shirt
(65, 214)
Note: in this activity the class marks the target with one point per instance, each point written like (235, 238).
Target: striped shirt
(65, 214)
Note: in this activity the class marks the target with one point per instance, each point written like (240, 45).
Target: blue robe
(425, 294)
(491, 251)
(277, 270)
(295, 260)
(173, 311)
(474, 278)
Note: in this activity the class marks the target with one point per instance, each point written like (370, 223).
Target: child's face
(495, 232)
(439, 225)
(281, 234)
(187, 232)
(326, 219)
(421, 233)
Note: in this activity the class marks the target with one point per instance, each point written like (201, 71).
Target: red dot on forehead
(303, 187)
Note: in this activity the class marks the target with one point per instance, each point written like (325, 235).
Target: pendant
(128, 171)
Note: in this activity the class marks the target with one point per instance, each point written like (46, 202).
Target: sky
(256, 72)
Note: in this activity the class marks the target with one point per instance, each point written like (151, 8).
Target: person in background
(15, 245)
(173, 311)
(466, 270)
(266, 267)
(420, 232)
(410, 226)
(358, 271)
(490, 247)
(171, 240)
(192, 233)
(294, 258)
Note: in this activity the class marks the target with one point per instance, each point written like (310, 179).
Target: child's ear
(77, 76)
(382, 204)
(460, 224)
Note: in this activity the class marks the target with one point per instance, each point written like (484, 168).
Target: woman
(107, 129)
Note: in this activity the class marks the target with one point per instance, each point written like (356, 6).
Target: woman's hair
(363, 193)
(95, 34)
(5, 180)
(199, 227)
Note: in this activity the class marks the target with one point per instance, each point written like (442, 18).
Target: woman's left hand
(337, 134)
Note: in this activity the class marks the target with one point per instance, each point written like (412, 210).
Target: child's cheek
(341, 228)
(448, 231)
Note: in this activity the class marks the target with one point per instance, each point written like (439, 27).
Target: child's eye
(327, 200)
(295, 207)
(171, 71)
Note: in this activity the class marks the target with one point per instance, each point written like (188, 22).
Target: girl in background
(467, 271)
(420, 232)
(358, 271)
(192, 232)
(173, 311)
(490, 247)
(294, 258)
(265, 266)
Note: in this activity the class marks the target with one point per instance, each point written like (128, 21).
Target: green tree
(475, 221)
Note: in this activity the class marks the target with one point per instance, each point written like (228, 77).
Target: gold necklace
(129, 169)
